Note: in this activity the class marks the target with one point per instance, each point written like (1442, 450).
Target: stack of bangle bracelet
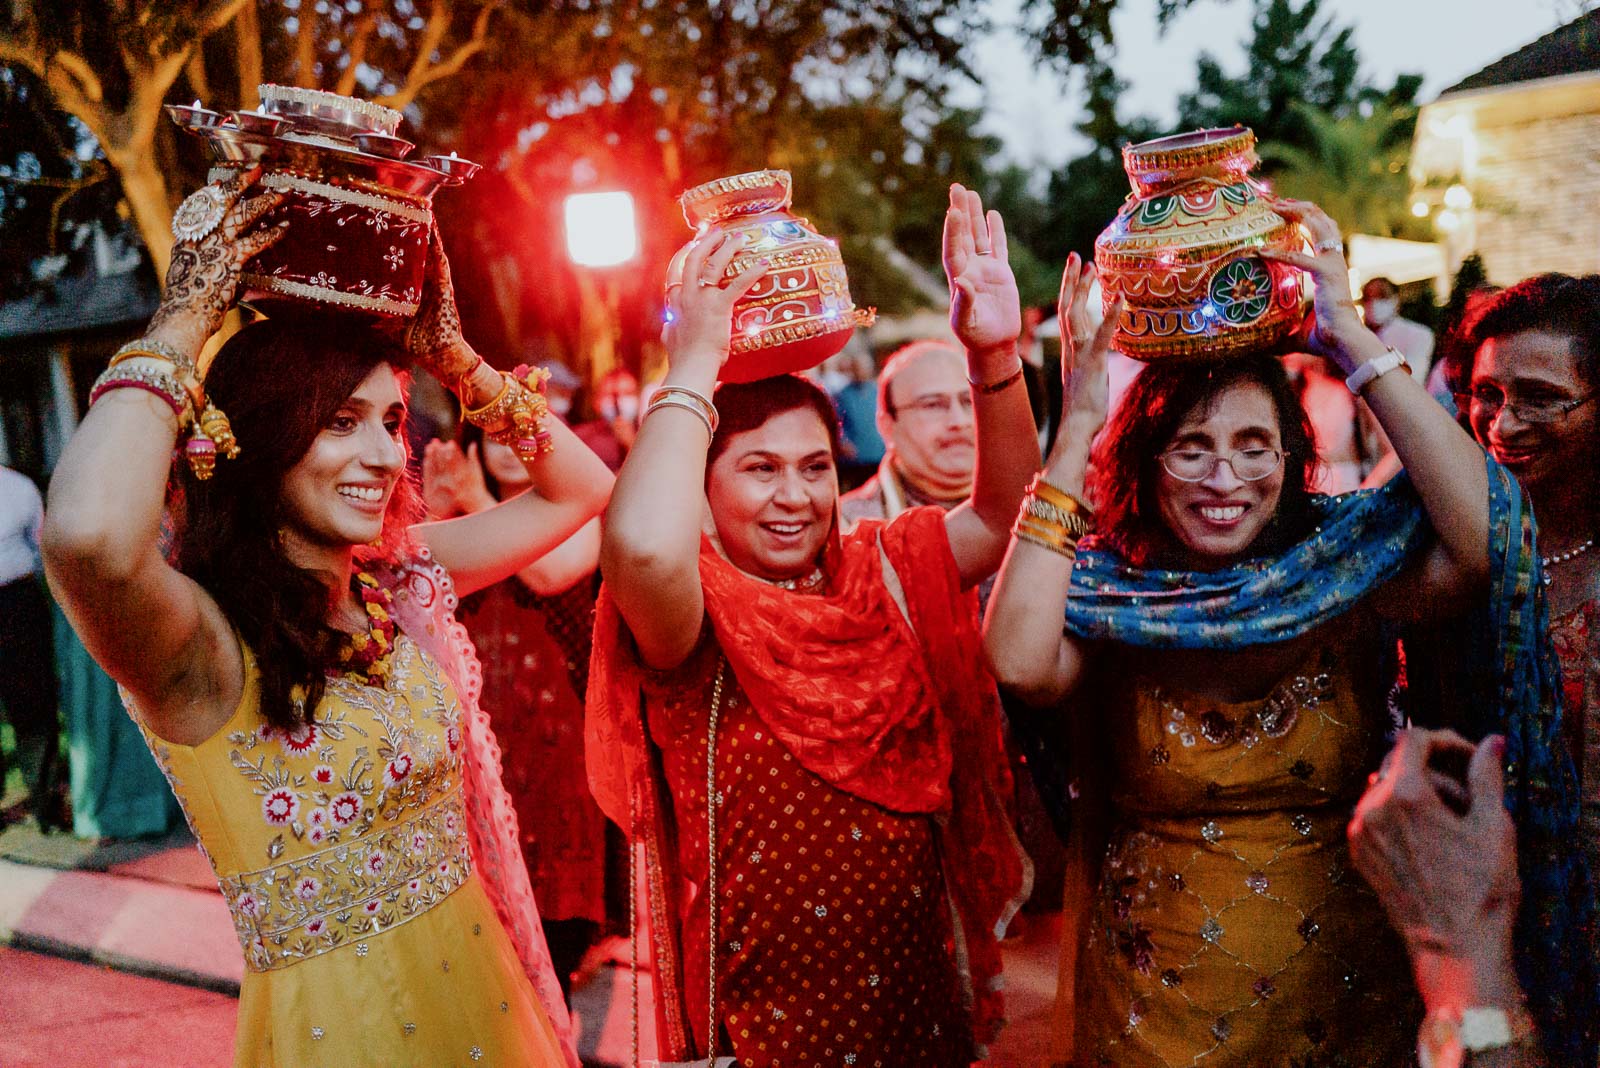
(163, 371)
(1052, 517)
(515, 417)
(689, 400)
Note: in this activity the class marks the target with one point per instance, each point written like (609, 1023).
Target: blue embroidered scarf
(1492, 672)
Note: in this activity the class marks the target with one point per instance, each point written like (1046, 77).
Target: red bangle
(148, 387)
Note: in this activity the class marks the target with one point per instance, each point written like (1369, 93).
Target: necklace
(1547, 562)
(804, 584)
(364, 657)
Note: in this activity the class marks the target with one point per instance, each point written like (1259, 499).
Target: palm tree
(1353, 166)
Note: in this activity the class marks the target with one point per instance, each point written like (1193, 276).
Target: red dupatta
(902, 715)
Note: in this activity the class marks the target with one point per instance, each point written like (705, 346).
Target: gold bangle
(515, 417)
(1058, 497)
(658, 402)
(1055, 541)
(1074, 522)
(159, 350)
(469, 413)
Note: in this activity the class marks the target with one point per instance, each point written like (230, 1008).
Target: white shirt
(21, 516)
(1414, 341)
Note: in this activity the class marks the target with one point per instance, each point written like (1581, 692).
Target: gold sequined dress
(342, 852)
(1228, 927)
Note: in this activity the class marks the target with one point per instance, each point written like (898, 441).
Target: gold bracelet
(1073, 522)
(1058, 497)
(658, 402)
(708, 409)
(158, 349)
(515, 417)
(1056, 539)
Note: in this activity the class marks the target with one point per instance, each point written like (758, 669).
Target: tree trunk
(146, 190)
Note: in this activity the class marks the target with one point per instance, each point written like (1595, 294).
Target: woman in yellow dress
(1219, 673)
(296, 666)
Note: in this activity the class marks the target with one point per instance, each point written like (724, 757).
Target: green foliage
(1353, 166)
(1294, 56)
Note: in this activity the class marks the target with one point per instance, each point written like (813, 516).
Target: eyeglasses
(1489, 401)
(1196, 465)
(937, 405)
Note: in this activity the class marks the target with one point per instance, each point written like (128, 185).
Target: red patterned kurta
(529, 694)
(843, 714)
(835, 943)
(1576, 637)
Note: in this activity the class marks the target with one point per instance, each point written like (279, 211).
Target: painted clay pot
(800, 313)
(359, 213)
(1182, 253)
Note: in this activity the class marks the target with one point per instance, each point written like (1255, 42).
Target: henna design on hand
(204, 275)
(434, 338)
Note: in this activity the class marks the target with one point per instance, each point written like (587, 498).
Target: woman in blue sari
(1226, 674)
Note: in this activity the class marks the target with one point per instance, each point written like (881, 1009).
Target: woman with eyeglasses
(1220, 688)
(1532, 402)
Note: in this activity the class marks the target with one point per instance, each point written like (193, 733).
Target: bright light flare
(1458, 197)
(1420, 209)
(600, 229)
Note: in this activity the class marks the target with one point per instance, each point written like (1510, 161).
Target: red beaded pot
(800, 313)
(359, 213)
(1182, 253)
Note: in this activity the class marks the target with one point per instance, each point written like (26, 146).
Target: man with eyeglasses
(925, 420)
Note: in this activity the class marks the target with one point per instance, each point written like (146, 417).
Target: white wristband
(1363, 375)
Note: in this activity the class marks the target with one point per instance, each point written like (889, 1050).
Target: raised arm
(570, 483)
(153, 630)
(1444, 463)
(650, 551)
(453, 485)
(1023, 635)
(986, 315)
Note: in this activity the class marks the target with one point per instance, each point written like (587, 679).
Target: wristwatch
(1448, 1035)
(1374, 368)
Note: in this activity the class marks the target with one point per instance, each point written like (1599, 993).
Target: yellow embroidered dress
(343, 852)
(1228, 927)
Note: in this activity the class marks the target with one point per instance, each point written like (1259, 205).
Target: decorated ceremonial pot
(800, 312)
(1182, 252)
(359, 213)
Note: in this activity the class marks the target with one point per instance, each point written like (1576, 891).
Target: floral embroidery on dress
(404, 768)
(316, 903)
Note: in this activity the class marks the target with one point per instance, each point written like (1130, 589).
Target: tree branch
(423, 71)
(358, 54)
(247, 50)
(195, 72)
(216, 15)
(305, 50)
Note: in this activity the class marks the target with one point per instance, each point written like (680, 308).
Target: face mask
(1381, 312)
(627, 408)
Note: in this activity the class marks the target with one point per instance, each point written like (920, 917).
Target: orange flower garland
(364, 658)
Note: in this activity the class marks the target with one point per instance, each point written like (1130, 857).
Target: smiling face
(335, 496)
(1217, 519)
(1533, 368)
(772, 492)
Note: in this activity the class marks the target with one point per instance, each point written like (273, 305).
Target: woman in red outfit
(825, 694)
(532, 632)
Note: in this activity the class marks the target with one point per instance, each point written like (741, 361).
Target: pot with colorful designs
(1183, 253)
(359, 212)
(800, 312)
